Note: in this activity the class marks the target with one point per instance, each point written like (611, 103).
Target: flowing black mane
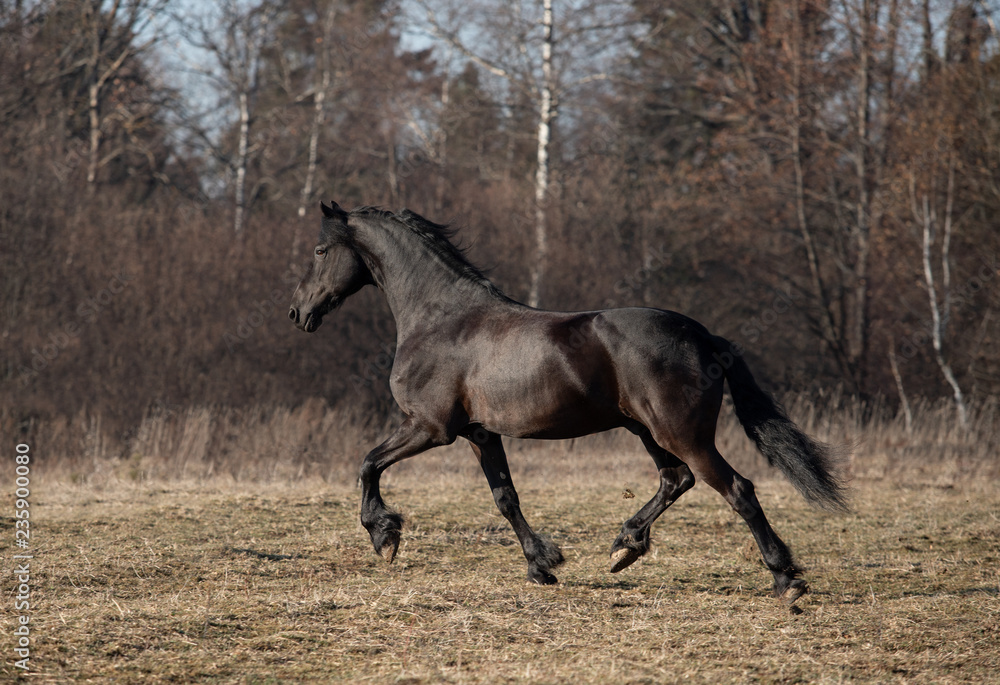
(439, 238)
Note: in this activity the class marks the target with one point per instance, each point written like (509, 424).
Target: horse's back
(653, 336)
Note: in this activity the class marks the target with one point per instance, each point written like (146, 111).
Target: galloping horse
(472, 363)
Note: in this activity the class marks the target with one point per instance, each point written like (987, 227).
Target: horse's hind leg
(712, 468)
(541, 554)
(675, 479)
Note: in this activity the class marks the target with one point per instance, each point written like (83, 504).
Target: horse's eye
(320, 251)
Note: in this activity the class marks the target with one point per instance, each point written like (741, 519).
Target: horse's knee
(368, 472)
(684, 480)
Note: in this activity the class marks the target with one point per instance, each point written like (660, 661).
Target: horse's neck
(418, 286)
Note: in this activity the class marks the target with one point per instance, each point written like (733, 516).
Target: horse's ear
(333, 211)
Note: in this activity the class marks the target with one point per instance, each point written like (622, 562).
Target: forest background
(817, 181)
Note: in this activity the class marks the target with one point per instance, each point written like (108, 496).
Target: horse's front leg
(542, 555)
(383, 524)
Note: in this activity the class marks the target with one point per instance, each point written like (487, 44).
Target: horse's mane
(439, 237)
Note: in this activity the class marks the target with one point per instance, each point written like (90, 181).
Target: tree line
(816, 181)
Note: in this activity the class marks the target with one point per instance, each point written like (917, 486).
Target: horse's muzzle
(312, 322)
(309, 323)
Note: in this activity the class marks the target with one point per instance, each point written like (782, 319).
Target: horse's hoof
(623, 558)
(539, 577)
(389, 549)
(796, 589)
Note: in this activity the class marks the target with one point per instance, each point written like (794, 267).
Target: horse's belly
(543, 405)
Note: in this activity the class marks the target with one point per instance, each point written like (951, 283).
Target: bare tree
(538, 58)
(111, 30)
(826, 323)
(546, 115)
(321, 87)
(235, 39)
(926, 216)
(836, 212)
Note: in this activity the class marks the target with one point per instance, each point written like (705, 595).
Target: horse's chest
(420, 378)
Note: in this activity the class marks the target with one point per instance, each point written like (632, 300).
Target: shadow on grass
(262, 555)
(603, 584)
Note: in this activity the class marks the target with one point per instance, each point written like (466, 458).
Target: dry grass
(175, 561)
(228, 581)
(311, 441)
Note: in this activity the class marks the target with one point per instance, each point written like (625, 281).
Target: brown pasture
(138, 577)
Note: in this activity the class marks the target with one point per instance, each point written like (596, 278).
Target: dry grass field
(272, 579)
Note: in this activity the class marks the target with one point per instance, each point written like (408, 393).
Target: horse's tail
(807, 463)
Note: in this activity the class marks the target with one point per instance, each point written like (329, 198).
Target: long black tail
(807, 463)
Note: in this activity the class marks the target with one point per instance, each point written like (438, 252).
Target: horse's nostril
(293, 314)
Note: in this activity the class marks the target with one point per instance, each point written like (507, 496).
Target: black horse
(472, 363)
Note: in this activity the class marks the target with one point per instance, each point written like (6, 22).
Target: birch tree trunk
(102, 27)
(241, 163)
(239, 54)
(94, 89)
(95, 133)
(858, 330)
(530, 69)
(319, 116)
(926, 216)
(546, 114)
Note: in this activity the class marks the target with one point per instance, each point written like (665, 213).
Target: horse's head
(335, 273)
